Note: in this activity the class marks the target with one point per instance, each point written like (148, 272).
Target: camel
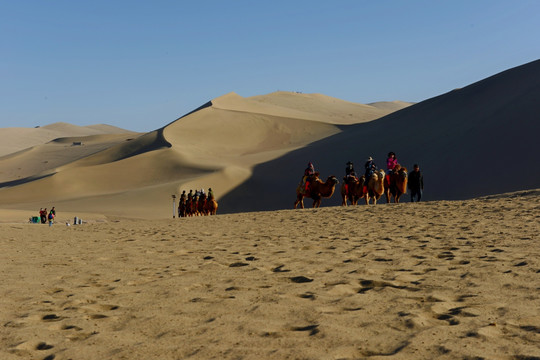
(194, 205)
(201, 205)
(397, 184)
(211, 206)
(317, 190)
(375, 186)
(182, 208)
(352, 190)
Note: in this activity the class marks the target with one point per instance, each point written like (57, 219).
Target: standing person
(370, 167)
(51, 217)
(53, 210)
(43, 215)
(416, 183)
(391, 161)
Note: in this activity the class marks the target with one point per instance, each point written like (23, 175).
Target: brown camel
(375, 187)
(397, 184)
(316, 191)
(182, 207)
(352, 190)
(201, 205)
(211, 206)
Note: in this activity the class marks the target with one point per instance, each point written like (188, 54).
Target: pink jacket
(390, 163)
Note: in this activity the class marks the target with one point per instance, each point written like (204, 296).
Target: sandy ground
(435, 280)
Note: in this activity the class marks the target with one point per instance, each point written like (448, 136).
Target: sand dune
(477, 140)
(449, 280)
(215, 146)
(17, 139)
(40, 160)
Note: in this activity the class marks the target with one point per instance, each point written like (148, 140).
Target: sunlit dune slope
(16, 139)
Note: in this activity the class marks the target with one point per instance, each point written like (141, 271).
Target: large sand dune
(215, 146)
(16, 139)
(478, 140)
(434, 280)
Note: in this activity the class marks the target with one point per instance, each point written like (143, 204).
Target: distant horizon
(141, 65)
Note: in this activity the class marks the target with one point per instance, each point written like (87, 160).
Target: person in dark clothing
(416, 183)
(370, 167)
(349, 170)
(308, 172)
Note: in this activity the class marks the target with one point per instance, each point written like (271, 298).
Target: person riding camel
(349, 170)
(391, 162)
(310, 170)
(210, 193)
(350, 175)
(370, 167)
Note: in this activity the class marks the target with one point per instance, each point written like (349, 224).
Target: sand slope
(482, 139)
(215, 146)
(16, 139)
(445, 280)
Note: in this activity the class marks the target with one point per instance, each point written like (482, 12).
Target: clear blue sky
(141, 64)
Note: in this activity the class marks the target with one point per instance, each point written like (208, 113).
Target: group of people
(44, 215)
(415, 182)
(197, 203)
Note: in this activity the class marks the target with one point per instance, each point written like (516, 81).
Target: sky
(140, 65)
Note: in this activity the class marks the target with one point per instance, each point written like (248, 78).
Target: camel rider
(310, 170)
(349, 171)
(391, 162)
(183, 196)
(201, 192)
(210, 193)
(370, 167)
(190, 195)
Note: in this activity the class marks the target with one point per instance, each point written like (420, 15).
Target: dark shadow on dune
(134, 147)
(475, 141)
(24, 180)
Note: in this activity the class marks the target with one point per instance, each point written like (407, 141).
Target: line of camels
(393, 185)
(198, 205)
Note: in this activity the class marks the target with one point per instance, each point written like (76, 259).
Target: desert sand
(438, 279)
(433, 280)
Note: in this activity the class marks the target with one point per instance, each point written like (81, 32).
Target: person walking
(51, 217)
(416, 183)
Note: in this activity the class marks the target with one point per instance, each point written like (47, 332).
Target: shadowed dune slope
(478, 140)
